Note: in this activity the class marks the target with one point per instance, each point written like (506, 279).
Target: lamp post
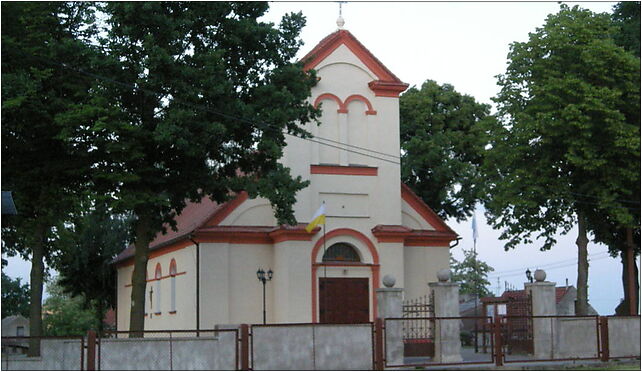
(264, 277)
(529, 276)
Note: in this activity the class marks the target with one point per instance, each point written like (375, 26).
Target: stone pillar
(446, 304)
(543, 303)
(389, 305)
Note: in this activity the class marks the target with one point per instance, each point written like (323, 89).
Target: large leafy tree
(616, 233)
(15, 297)
(84, 263)
(40, 165)
(472, 274)
(193, 99)
(565, 146)
(442, 145)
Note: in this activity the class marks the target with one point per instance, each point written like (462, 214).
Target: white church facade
(375, 225)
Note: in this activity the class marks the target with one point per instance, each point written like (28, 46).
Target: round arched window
(341, 252)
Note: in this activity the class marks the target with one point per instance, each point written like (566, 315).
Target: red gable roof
(387, 85)
(193, 216)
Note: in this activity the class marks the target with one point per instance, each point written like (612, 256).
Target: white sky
(463, 44)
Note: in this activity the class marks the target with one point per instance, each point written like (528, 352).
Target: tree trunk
(628, 259)
(581, 303)
(139, 277)
(36, 284)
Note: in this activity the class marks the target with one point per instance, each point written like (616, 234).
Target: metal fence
(43, 353)
(418, 330)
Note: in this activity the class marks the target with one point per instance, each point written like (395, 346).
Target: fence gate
(517, 332)
(418, 330)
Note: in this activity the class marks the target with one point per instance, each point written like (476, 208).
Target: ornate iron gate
(418, 328)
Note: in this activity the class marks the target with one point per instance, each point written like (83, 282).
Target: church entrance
(344, 300)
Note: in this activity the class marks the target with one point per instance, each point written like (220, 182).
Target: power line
(568, 260)
(263, 125)
(551, 266)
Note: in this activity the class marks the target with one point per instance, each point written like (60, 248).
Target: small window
(341, 252)
(20, 331)
(157, 290)
(172, 274)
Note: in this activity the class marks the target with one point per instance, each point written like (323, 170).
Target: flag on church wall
(317, 219)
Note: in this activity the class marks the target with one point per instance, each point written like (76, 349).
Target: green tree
(472, 273)
(442, 145)
(84, 264)
(181, 102)
(565, 146)
(626, 15)
(66, 315)
(15, 297)
(40, 165)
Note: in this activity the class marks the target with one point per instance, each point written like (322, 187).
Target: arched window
(341, 252)
(172, 275)
(157, 288)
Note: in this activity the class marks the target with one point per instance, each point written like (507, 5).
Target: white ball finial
(443, 275)
(389, 281)
(540, 275)
(340, 22)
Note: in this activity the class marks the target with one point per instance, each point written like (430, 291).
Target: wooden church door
(344, 300)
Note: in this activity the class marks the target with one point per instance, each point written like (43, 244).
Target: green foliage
(442, 142)
(626, 15)
(44, 169)
(15, 297)
(65, 315)
(472, 273)
(569, 136)
(84, 264)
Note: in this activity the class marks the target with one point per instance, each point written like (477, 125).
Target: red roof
(193, 216)
(520, 295)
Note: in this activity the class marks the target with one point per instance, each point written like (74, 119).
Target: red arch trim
(343, 106)
(330, 96)
(359, 97)
(375, 267)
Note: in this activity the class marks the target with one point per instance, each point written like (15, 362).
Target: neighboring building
(15, 325)
(517, 303)
(375, 224)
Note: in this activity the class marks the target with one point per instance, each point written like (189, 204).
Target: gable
(384, 82)
(417, 211)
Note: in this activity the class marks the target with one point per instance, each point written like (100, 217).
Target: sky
(464, 44)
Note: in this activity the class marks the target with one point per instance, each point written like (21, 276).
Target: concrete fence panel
(55, 354)
(576, 338)
(286, 347)
(149, 353)
(343, 347)
(624, 336)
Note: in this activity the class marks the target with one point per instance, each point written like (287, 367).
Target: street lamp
(263, 278)
(529, 276)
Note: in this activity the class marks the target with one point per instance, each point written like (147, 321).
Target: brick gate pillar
(389, 305)
(543, 304)
(446, 304)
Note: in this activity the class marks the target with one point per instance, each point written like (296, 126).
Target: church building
(205, 273)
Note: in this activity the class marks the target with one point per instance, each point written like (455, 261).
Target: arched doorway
(345, 276)
(343, 300)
